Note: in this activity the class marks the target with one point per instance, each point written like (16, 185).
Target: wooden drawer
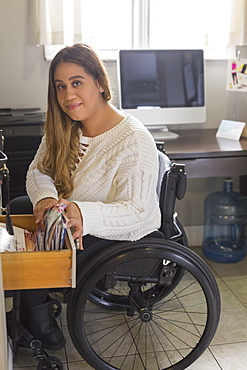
(38, 269)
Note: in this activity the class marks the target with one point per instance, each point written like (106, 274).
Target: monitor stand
(162, 133)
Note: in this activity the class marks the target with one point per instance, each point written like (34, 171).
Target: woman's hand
(42, 206)
(75, 222)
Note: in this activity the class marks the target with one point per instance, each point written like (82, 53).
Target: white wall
(23, 83)
(24, 71)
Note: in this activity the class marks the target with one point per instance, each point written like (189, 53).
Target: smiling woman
(98, 161)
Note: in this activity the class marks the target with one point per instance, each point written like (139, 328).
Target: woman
(98, 161)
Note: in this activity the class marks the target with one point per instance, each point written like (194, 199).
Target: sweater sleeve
(38, 185)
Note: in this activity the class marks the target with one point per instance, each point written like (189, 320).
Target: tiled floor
(228, 349)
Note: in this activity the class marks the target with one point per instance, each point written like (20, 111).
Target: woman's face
(78, 94)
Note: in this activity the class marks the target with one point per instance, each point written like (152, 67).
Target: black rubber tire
(87, 328)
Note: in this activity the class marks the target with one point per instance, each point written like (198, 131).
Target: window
(110, 25)
(190, 24)
(158, 24)
(107, 24)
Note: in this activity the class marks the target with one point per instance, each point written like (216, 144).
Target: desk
(207, 156)
(33, 270)
(203, 154)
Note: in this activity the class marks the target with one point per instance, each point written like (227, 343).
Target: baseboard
(194, 235)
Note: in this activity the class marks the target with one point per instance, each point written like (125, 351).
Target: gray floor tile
(231, 356)
(71, 352)
(228, 295)
(79, 365)
(229, 270)
(24, 357)
(206, 362)
(239, 287)
(232, 326)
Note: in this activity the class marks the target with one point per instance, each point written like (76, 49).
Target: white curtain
(238, 27)
(58, 22)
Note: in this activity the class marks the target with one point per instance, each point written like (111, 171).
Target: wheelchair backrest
(171, 185)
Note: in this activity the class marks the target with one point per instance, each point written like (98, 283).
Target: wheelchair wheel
(149, 333)
(118, 300)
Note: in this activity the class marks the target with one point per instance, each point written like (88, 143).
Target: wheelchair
(151, 304)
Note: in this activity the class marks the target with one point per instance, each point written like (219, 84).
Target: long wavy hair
(62, 133)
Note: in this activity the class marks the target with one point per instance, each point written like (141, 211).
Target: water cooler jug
(225, 225)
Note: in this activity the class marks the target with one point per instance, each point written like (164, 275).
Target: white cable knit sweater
(114, 182)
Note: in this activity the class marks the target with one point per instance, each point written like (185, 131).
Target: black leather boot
(44, 327)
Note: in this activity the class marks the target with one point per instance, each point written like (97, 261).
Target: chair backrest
(21, 205)
(164, 167)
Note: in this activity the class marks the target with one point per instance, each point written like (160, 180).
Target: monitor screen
(162, 87)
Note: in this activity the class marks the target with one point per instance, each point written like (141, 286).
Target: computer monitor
(162, 87)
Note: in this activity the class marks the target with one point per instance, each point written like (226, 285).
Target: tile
(224, 270)
(205, 362)
(229, 270)
(231, 356)
(79, 365)
(229, 296)
(232, 326)
(239, 287)
(71, 352)
(24, 357)
(198, 251)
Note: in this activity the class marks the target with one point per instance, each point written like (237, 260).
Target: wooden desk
(207, 156)
(33, 270)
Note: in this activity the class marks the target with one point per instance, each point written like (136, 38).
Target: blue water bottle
(225, 225)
